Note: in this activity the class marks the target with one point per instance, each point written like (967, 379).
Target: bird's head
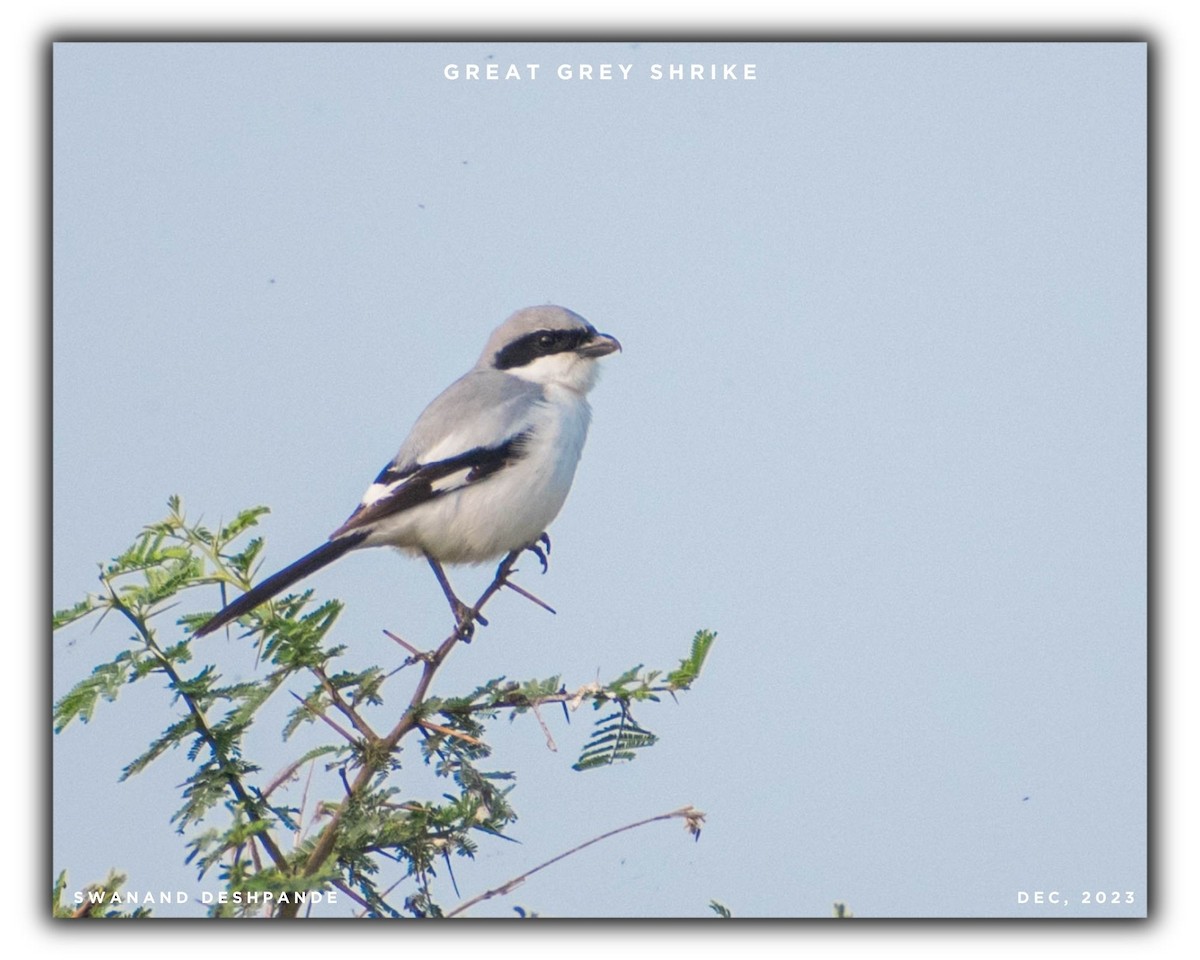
(548, 345)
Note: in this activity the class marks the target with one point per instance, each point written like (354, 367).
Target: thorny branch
(381, 749)
(374, 753)
(346, 709)
(317, 714)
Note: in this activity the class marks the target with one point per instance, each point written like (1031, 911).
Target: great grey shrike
(487, 465)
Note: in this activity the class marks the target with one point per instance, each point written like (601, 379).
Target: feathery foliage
(344, 818)
(91, 900)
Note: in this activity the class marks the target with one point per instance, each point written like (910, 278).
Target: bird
(486, 467)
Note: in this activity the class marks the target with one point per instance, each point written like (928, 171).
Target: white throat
(568, 370)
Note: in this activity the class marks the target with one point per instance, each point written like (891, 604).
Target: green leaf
(171, 737)
(690, 667)
(71, 614)
(242, 522)
(616, 737)
(95, 896)
(105, 681)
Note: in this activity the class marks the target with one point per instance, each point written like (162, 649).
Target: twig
(254, 855)
(312, 766)
(417, 654)
(346, 709)
(283, 776)
(529, 596)
(565, 697)
(693, 817)
(446, 731)
(349, 891)
(545, 729)
(350, 738)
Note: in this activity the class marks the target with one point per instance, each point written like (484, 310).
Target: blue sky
(879, 422)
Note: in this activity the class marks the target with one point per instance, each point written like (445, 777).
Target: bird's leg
(506, 566)
(539, 553)
(464, 616)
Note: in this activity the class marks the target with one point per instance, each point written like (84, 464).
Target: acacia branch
(346, 709)
(342, 731)
(202, 727)
(517, 700)
(447, 732)
(382, 749)
(689, 813)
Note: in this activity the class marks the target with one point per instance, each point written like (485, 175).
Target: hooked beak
(600, 345)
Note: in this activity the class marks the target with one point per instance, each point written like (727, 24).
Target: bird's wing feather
(480, 409)
(418, 485)
(476, 427)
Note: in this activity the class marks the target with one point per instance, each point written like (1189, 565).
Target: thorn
(529, 596)
(450, 870)
(545, 729)
(447, 732)
(406, 645)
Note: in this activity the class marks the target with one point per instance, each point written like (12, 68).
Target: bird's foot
(508, 566)
(541, 554)
(464, 619)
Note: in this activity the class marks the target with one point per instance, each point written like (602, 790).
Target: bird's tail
(325, 554)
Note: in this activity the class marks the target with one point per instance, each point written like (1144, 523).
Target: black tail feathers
(325, 554)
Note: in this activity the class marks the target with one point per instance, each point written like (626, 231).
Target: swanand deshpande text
(207, 897)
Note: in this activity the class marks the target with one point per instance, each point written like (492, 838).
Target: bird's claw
(465, 618)
(539, 553)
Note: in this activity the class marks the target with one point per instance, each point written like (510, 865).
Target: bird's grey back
(481, 408)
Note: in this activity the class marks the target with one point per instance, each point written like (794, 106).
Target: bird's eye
(546, 340)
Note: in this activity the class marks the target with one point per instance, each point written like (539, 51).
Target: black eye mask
(542, 343)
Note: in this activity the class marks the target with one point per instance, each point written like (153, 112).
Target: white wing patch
(377, 491)
(451, 481)
(381, 491)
